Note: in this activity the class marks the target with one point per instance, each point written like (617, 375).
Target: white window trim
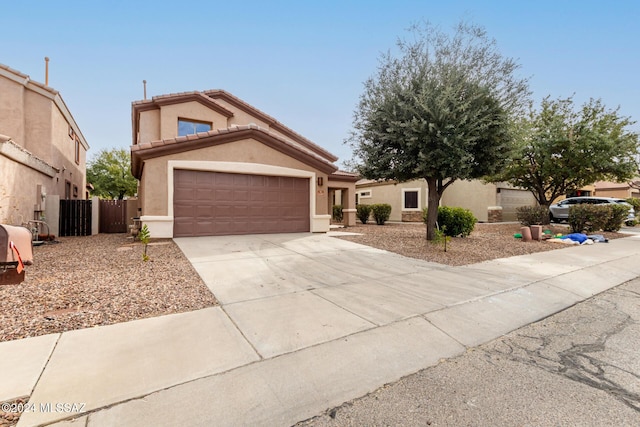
(404, 190)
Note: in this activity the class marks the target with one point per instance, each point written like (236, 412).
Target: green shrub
(533, 215)
(589, 218)
(614, 220)
(454, 221)
(635, 202)
(337, 213)
(381, 212)
(363, 212)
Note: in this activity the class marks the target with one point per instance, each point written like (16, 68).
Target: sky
(302, 62)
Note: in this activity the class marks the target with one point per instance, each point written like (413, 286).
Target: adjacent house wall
(473, 195)
(38, 139)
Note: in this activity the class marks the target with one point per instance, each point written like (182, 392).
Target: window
(410, 199)
(366, 194)
(75, 191)
(189, 127)
(77, 151)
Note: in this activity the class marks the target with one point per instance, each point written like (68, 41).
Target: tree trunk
(433, 201)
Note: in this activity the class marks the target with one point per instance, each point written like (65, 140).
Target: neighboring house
(615, 189)
(211, 164)
(42, 151)
(488, 202)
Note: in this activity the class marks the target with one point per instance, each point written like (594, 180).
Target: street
(580, 367)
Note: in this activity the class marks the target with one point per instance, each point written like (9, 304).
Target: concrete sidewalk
(307, 322)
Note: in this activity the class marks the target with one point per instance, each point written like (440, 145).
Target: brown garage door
(216, 203)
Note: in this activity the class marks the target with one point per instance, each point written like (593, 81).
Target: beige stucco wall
(473, 195)
(154, 199)
(392, 194)
(193, 110)
(32, 117)
(149, 127)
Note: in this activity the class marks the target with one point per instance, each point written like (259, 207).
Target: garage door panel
(216, 203)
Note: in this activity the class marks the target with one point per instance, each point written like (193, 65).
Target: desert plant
(588, 218)
(363, 212)
(337, 213)
(533, 215)
(144, 236)
(381, 212)
(614, 220)
(442, 237)
(456, 221)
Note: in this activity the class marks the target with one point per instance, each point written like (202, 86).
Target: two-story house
(211, 164)
(42, 150)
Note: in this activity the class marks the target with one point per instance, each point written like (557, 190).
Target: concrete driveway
(306, 323)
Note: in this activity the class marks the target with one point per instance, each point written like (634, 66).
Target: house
(211, 164)
(616, 189)
(488, 202)
(42, 150)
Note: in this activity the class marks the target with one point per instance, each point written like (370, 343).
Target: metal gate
(113, 216)
(75, 218)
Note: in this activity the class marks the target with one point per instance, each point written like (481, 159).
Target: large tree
(563, 150)
(110, 174)
(440, 110)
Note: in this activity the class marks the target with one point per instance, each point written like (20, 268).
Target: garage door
(511, 199)
(216, 203)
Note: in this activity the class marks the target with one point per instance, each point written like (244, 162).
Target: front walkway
(306, 322)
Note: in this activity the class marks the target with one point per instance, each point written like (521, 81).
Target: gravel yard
(82, 282)
(99, 280)
(486, 242)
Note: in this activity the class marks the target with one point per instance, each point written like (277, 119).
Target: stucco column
(349, 206)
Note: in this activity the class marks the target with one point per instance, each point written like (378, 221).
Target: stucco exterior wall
(36, 120)
(149, 126)
(11, 117)
(473, 195)
(193, 110)
(154, 199)
(392, 194)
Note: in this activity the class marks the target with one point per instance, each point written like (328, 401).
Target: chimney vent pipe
(46, 71)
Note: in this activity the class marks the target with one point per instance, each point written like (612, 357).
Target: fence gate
(113, 216)
(75, 218)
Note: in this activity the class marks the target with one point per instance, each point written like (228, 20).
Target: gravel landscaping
(99, 280)
(486, 242)
(82, 282)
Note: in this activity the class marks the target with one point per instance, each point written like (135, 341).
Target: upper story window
(189, 127)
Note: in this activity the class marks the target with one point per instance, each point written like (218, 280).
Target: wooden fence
(113, 216)
(75, 218)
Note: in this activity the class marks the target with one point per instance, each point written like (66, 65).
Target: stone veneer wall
(411, 216)
(494, 214)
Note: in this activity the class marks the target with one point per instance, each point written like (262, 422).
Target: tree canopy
(440, 110)
(563, 150)
(110, 174)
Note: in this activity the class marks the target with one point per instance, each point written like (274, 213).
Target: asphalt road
(580, 367)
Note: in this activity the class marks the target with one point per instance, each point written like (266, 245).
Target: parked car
(560, 211)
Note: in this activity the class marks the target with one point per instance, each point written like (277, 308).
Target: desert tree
(441, 108)
(563, 149)
(110, 174)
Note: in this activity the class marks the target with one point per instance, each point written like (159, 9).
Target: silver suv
(560, 211)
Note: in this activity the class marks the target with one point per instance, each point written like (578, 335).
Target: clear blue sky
(302, 62)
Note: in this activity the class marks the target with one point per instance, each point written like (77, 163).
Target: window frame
(362, 195)
(403, 199)
(194, 123)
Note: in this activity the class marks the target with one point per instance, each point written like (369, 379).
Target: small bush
(381, 212)
(337, 213)
(635, 202)
(454, 221)
(533, 215)
(589, 218)
(363, 212)
(614, 220)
